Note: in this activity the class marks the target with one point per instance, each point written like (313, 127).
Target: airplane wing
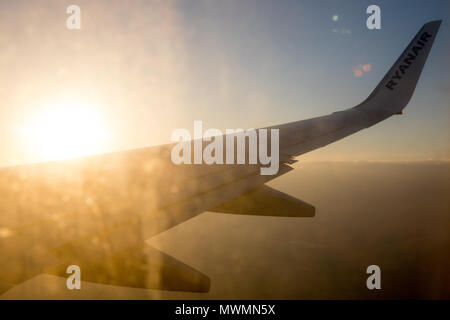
(98, 211)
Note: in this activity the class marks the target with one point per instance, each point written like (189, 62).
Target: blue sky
(154, 66)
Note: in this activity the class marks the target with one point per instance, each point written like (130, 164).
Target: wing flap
(265, 201)
(4, 286)
(139, 267)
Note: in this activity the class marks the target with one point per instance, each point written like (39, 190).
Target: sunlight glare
(68, 130)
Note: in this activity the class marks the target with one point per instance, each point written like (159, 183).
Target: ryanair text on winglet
(408, 61)
(213, 153)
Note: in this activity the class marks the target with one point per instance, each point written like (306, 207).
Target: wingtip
(434, 22)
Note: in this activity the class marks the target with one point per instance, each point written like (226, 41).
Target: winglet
(395, 90)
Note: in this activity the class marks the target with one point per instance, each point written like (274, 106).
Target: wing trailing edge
(4, 286)
(265, 201)
(139, 267)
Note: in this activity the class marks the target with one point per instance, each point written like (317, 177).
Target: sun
(68, 129)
